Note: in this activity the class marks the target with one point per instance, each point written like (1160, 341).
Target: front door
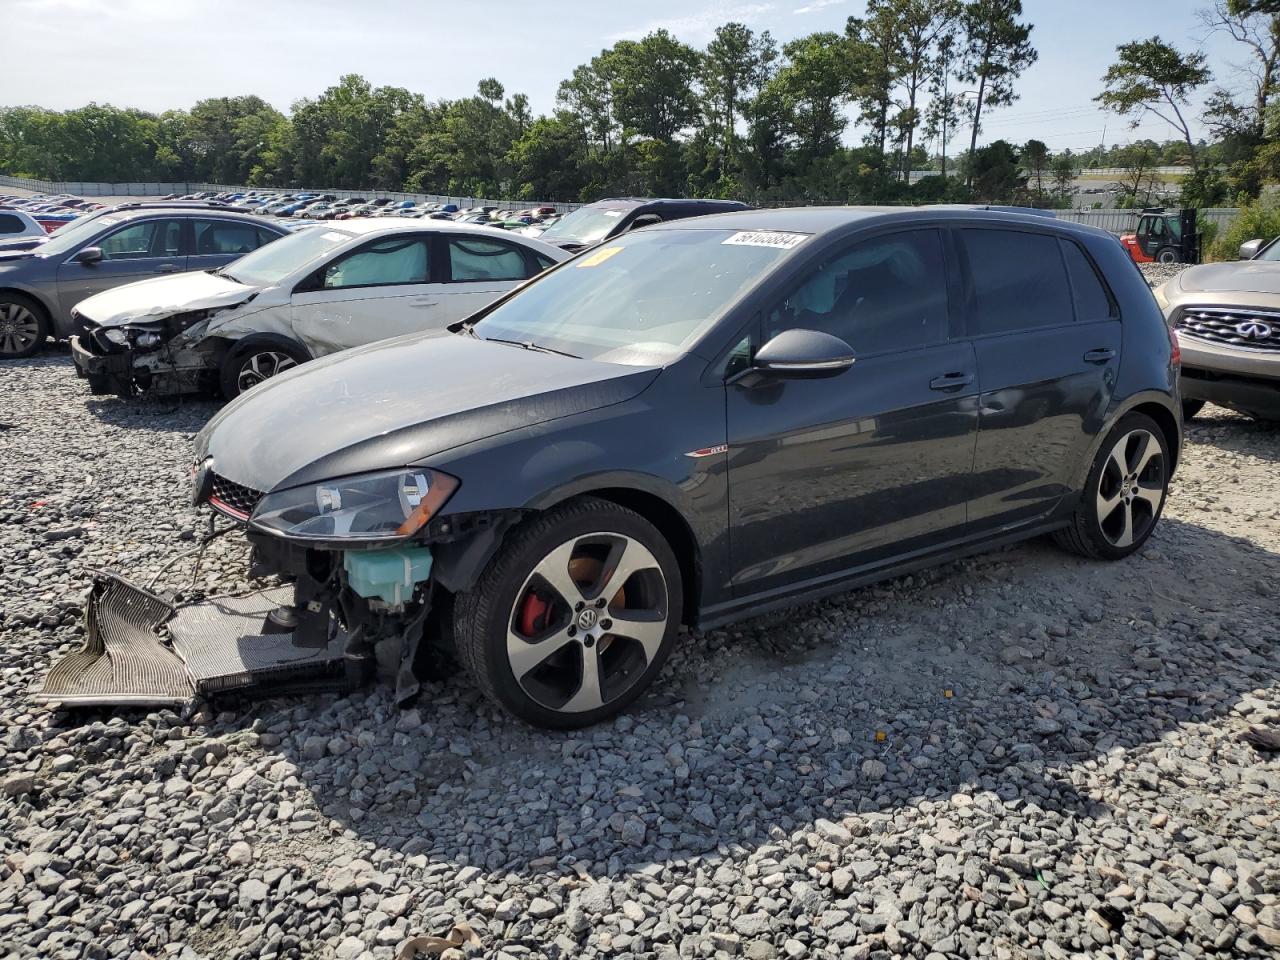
(215, 243)
(134, 251)
(379, 290)
(849, 472)
(1048, 340)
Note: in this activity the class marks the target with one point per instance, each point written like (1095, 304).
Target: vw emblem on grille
(1254, 330)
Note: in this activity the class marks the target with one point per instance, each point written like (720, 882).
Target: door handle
(167, 268)
(1100, 355)
(951, 381)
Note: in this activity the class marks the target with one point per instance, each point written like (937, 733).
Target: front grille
(1245, 328)
(233, 499)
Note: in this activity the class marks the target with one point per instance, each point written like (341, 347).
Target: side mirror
(1249, 249)
(88, 255)
(802, 355)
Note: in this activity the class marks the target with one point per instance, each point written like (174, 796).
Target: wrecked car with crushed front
(691, 424)
(321, 290)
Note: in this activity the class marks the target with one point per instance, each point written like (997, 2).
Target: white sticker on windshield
(766, 238)
(613, 213)
(335, 237)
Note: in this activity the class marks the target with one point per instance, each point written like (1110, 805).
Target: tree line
(744, 117)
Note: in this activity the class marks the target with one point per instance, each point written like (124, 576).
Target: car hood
(398, 401)
(163, 297)
(1249, 276)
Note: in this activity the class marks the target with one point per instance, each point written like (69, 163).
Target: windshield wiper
(525, 344)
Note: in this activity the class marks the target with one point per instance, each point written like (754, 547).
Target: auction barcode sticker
(766, 238)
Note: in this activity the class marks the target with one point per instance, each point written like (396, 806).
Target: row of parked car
(572, 456)
(40, 214)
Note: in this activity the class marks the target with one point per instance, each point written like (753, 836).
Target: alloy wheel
(262, 366)
(587, 622)
(19, 329)
(1131, 488)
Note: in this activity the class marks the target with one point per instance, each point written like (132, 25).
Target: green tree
(811, 90)
(653, 86)
(993, 172)
(1151, 76)
(874, 52)
(737, 63)
(1035, 161)
(997, 48)
(923, 27)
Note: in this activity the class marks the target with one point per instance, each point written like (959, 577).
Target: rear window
(1019, 281)
(10, 224)
(1091, 298)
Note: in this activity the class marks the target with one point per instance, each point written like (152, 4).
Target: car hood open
(397, 402)
(163, 297)
(1251, 276)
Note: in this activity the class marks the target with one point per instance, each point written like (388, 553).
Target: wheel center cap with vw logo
(1254, 330)
(587, 619)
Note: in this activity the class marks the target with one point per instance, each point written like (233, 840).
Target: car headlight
(375, 506)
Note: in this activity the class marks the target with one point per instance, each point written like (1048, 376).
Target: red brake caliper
(533, 615)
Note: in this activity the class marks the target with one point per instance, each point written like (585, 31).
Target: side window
(1019, 281)
(544, 263)
(266, 236)
(224, 236)
(10, 224)
(1091, 298)
(147, 238)
(395, 260)
(887, 293)
(478, 258)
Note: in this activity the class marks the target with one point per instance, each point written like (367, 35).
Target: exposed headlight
(376, 506)
(117, 335)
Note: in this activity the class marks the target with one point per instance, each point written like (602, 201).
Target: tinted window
(476, 258)
(224, 236)
(148, 238)
(1019, 280)
(1092, 302)
(889, 293)
(266, 236)
(10, 224)
(392, 261)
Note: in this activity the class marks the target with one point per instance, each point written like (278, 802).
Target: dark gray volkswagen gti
(701, 421)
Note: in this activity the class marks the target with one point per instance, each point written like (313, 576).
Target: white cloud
(813, 6)
(698, 26)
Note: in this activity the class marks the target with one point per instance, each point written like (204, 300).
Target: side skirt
(743, 608)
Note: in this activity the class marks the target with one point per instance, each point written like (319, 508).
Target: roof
(362, 226)
(825, 220)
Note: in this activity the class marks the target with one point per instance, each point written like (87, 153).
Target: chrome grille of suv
(1247, 328)
(232, 498)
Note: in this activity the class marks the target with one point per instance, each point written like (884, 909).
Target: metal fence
(96, 189)
(1124, 221)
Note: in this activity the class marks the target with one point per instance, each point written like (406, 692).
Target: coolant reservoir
(387, 574)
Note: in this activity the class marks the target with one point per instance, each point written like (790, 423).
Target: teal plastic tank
(387, 574)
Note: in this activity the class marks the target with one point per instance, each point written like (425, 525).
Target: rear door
(480, 269)
(1047, 335)
(133, 251)
(216, 242)
(381, 289)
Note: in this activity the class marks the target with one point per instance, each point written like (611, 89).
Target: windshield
(65, 239)
(585, 225)
(1270, 252)
(643, 298)
(267, 266)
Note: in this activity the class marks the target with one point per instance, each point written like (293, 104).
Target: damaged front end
(163, 355)
(361, 560)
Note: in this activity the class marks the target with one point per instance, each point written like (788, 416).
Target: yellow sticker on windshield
(599, 257)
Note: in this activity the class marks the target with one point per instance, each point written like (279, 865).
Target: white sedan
(312, 293)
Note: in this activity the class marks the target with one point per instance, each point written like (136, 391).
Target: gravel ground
(1019, 755)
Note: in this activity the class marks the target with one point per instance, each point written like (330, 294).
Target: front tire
(249, 364)
(574, 617)
(23, 327)
(1124, 494)
(1167, 255)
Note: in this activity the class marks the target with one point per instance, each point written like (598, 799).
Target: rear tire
(1190, 408)
(248, 364)
(1167, 255)
(554, 633)
(1124, 494)
(23, 326)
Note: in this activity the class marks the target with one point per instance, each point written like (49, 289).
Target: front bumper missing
(142, 651)
(106, 373)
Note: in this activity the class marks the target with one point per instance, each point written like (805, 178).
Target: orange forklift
(1164, 237)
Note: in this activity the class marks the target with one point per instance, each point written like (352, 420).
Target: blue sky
(160, 54)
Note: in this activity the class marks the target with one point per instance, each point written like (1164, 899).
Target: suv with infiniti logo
(1227, 318)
